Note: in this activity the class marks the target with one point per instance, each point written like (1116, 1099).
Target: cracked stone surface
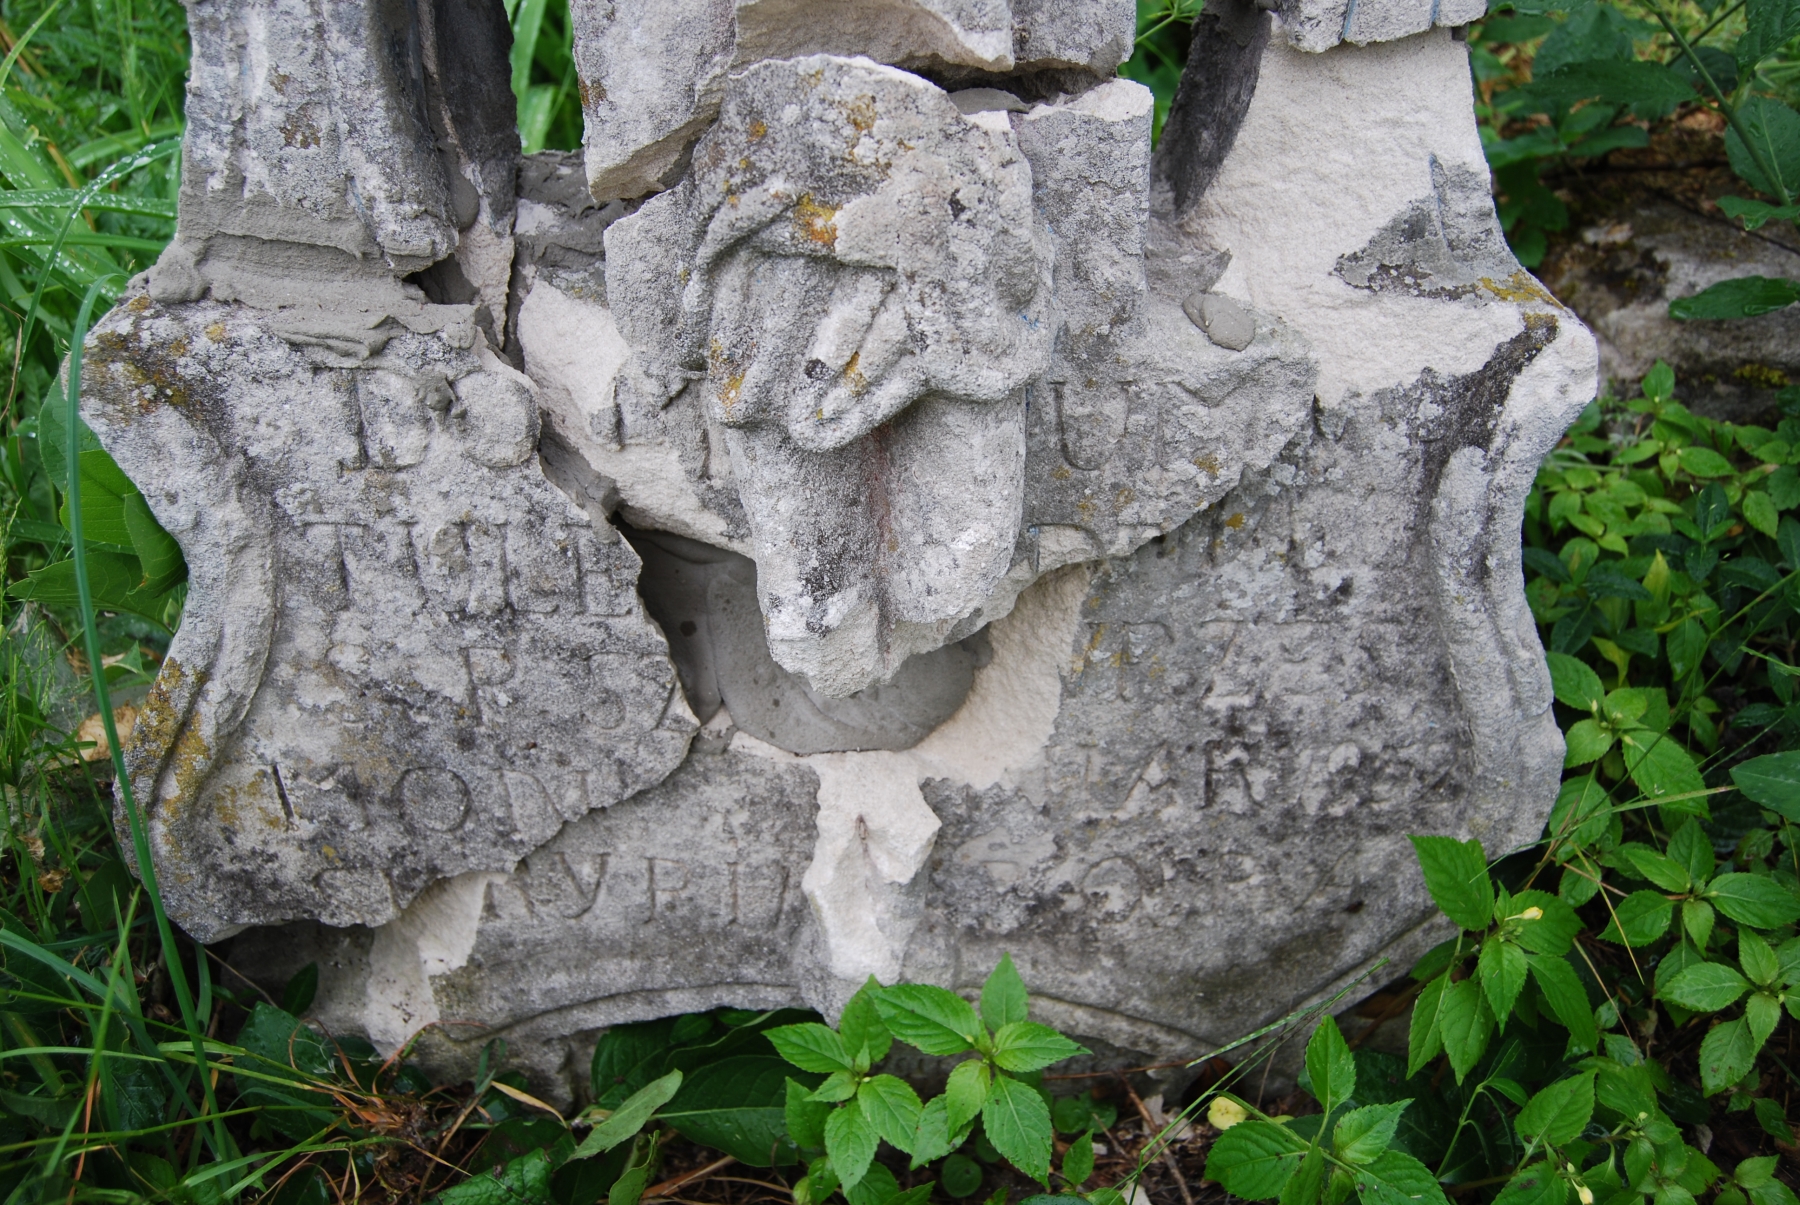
(863, 515)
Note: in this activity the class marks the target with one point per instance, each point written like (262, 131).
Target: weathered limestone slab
(1024, 544)
(654, 72)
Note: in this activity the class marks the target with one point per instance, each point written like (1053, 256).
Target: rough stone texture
(654, 72)
(405, 654)
(1624, 267)
(1317, 25)
(1026, 609)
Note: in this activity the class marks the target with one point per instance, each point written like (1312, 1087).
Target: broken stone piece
(1225, 322)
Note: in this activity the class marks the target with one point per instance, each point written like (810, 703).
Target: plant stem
(1729, 113)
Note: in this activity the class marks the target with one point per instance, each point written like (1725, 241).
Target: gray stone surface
(1634, 255)
(405, 654)
(1025, 610)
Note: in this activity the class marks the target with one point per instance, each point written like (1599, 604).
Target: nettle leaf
(935, 1137)
(1426, 1038)
(810, 1046)
(1457, 877)
(1397, 1179)
(1760, 962)
(1575, 683)
(805, 1116)
(931, 1019)
(1754, 900)
(861, 1024)
(1560, 1112)
(1017, 1122)
(1467, 1024)
(737, 1105)
(1502, 970)
(1078, 1160)
(1727, 1054)
(1697, 921)
(1362, 1134)
(1255, 1159)
(1660, 869)
(850, 1141)
(1692, 848)
(1586, 741)
(1330, 1065)
(1772, 780)
(1028, 1046)
(892, 1107)
(1768, 25)
(1659, 765)
(965, 1092)
(1639, 919)
(1740, 297)
(1567, 999)
(1537, 1184)
(1307, 1184)
(1762, 1013)
(1003, 998)
(1553, 932)
(838, 1086)
(1774, 130)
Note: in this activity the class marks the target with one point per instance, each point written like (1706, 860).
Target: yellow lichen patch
(1208, 464)
(1235, 521)
(1062, 472)
(179, 347)
(1762, 375)
(758, 128)
(1519, 288)
(817, 222)
(858, 383)
(215, 331)
(860, 113)
(139, 304)
(1125, 497)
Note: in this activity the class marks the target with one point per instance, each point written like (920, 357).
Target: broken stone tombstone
(867, 514)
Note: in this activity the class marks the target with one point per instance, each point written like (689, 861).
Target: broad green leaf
(935, 1138)
(1585, 741)
(876, 1188)
(861, 1024)
(1768, 25)
(961, 1175)
(1774, 130)
(1704, 462)
(1753, 900)
(1502, 969)
(1726, 1055)
(1692, 848)
(892, 1107)
(1017, 1121)
(1575, 684)
(1659, 765)
(850, 1141)
(1457, 877)
(931, 1019)
(1330, 1065)
(838, 1087)
(1003, 999)
(811, 1046)
(1697, 922)
(521, 1181)
(1740, 297)
(1538, 1184)
(104, 489)
(1772, 780)
(1759, 509)
(1762, 1013)
(1255, 1159)
(286, 1050)
(1756, 214)
(114, 577)
(1307, 1185)
(1554, 931)
(737, 1105)
(965, 1092)
(1560, 1112)
(805, 1116)
(1707, 987)
(1398, 1179)
(1362, 1134)
(1639, 919)
(628, 1057)
(1028, 1046)
(1760, 963)
(1078, 1160)
(1467, 1024)
(629, 1118)
(1568, 1001)
(1660, 869)
(1754, 1173)
(1426, 1037)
